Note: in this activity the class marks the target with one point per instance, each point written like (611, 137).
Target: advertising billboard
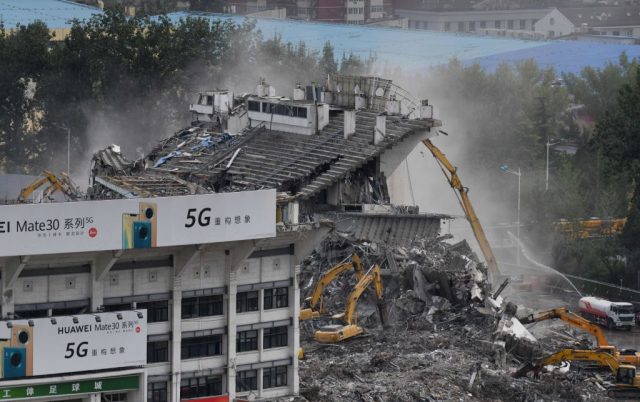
(136, 223)
(46, 346)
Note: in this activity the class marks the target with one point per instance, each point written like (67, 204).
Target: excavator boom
(451, 173)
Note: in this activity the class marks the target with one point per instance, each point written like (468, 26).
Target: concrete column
(232, 286)
(259, 381)
(380, 131)
(141, 393)
(349, 123)
(176, 329)
(294, 212)
(97, 289)
(294, 333)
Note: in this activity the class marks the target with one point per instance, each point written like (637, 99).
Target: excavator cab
(626, 375)
(608, 349)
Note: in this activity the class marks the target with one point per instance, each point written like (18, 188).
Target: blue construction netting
(411, 50)
(54, 13)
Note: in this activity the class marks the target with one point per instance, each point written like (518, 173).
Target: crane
(349, 329)
(62, 184)
(627, 383)
(311, 302)
(462, 194)
(623, 356)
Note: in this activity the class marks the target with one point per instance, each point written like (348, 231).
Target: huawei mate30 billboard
(136, 223)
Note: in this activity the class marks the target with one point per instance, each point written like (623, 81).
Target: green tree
(328, 61)
(618, 136)
(24, 59)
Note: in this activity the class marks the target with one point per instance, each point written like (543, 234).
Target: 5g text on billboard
(204, 219)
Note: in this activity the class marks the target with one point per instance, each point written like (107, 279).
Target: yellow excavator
(623, 356)
(310, 311)
(62, 184)
(627, 383)
(348, 329)
(462, 193)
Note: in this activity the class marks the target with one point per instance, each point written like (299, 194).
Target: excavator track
(623, 393)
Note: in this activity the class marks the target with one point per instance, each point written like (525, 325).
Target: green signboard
(70, 388)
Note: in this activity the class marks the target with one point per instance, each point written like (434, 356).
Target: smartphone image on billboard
(17, 353)
(14, 362)
(127, 230)
(149, 213)
(140, 230)
(141, 234)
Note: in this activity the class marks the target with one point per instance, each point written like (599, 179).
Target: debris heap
(449, 339)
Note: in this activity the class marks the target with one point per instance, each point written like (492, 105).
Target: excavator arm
(605, 359)
(62, 184)
(451, 173)
(328, 277)
(572, 319)
(28, 190)
(372, 276)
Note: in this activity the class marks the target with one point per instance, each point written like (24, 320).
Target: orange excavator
(462, 193)
(623, 356)
(315, 300)
(627, 381)
(349, 328)
(62, 184)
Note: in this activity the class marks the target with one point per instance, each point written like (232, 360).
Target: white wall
(554, 24)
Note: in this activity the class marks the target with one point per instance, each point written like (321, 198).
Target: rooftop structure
(333, 145)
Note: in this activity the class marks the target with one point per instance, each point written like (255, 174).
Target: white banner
(60, 345)
(136, 223)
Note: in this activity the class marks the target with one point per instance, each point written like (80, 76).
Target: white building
(473, 20)
(221, 316)
(610, 20)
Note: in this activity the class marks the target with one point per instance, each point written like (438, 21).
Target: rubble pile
(447, 339)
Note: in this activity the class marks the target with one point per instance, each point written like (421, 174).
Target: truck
(613, 315)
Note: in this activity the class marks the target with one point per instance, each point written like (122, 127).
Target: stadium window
(276, 298)
(201, 346)
(253, 106)
(157, 351)
(273, 377)
(200, 386)
(202, 306)
(275, 337)
(247, 341)
(247, 380)
(157, 311)
(247, 301)
(157, 392)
